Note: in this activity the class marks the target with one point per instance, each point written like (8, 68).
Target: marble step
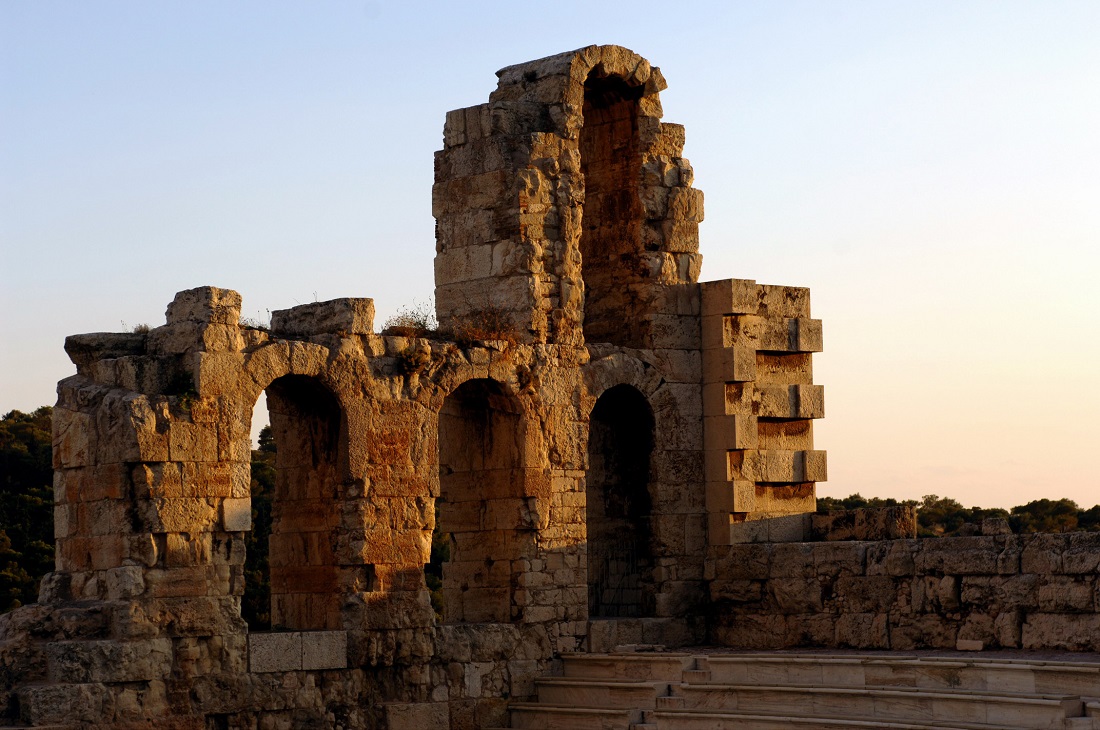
(600, 693)
(709, 720)
(638, 667)
(540, 716)
(1031, 677)
(893, 704)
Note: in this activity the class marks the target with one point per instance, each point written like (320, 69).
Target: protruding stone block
(806, 335)
(729, 296)
(338, 316)
(83, 350)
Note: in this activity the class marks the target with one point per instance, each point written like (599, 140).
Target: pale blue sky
(930, 169)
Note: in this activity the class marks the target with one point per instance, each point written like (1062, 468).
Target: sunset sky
(930, 169)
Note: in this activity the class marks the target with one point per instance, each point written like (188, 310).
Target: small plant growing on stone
(411, 361)
(141, 329)
(416, 320)
(484, 323)
(255, 323)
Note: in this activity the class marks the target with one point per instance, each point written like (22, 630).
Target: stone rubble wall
(1034, 592)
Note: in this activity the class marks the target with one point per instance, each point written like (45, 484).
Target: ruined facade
(590, 431)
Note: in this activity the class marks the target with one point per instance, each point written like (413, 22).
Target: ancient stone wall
(586, 424)
(1033, 592)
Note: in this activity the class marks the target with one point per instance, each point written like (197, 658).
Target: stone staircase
(723, 691)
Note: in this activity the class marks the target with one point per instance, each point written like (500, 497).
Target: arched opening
(611, 223)
(295, 478)
(483, 528)
(620, 559)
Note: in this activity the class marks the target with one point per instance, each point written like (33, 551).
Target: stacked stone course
(1033, 592)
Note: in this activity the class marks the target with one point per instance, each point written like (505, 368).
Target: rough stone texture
(1036, 592)
(553, 432)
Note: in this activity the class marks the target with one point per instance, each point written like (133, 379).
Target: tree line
(26, 515)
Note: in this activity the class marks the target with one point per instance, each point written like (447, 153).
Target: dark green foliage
(1046, 515)
(945, 517)
(26, 505)
(854, 501)
(256, 605)
(433, 571)
(942, 516)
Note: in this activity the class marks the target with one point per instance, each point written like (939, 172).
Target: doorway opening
(620, 559)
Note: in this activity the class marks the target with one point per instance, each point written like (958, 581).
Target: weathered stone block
(729, 296)
(236, 515)
(324, 650)
(279, 652)
(346, 316)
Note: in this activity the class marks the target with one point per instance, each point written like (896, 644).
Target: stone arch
(612, 215)
(297, 537)
(483, 523)
(619, 504)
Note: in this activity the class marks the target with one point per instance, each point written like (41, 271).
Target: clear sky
(931, 169)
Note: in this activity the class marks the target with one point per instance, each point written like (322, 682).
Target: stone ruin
(616, 453)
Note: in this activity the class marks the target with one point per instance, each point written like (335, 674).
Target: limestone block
(809, 400)
(782, 466)
(814, 466)
(278, 652)
(729, 296)
(776, 401)
(784, 301)
(716, 466)
(84, 350)
(727, 433)
(686, 204)
(785, 498)
(206, 304)
(465, 263)
(109, 660)
(454, 128)
(62, 704)
(785, 528)
(730, 496)
(125, 582)
(806, 335)
(324, 650)
(729, 364)
(237, 515)
(176, 515)
(218, 373)
(74, 439)
(747, 531)
(674, 331)
(192, 442)
(348, 316)
(417, 715)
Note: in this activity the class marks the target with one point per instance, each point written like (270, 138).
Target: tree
(26, 505)
(256, 604)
